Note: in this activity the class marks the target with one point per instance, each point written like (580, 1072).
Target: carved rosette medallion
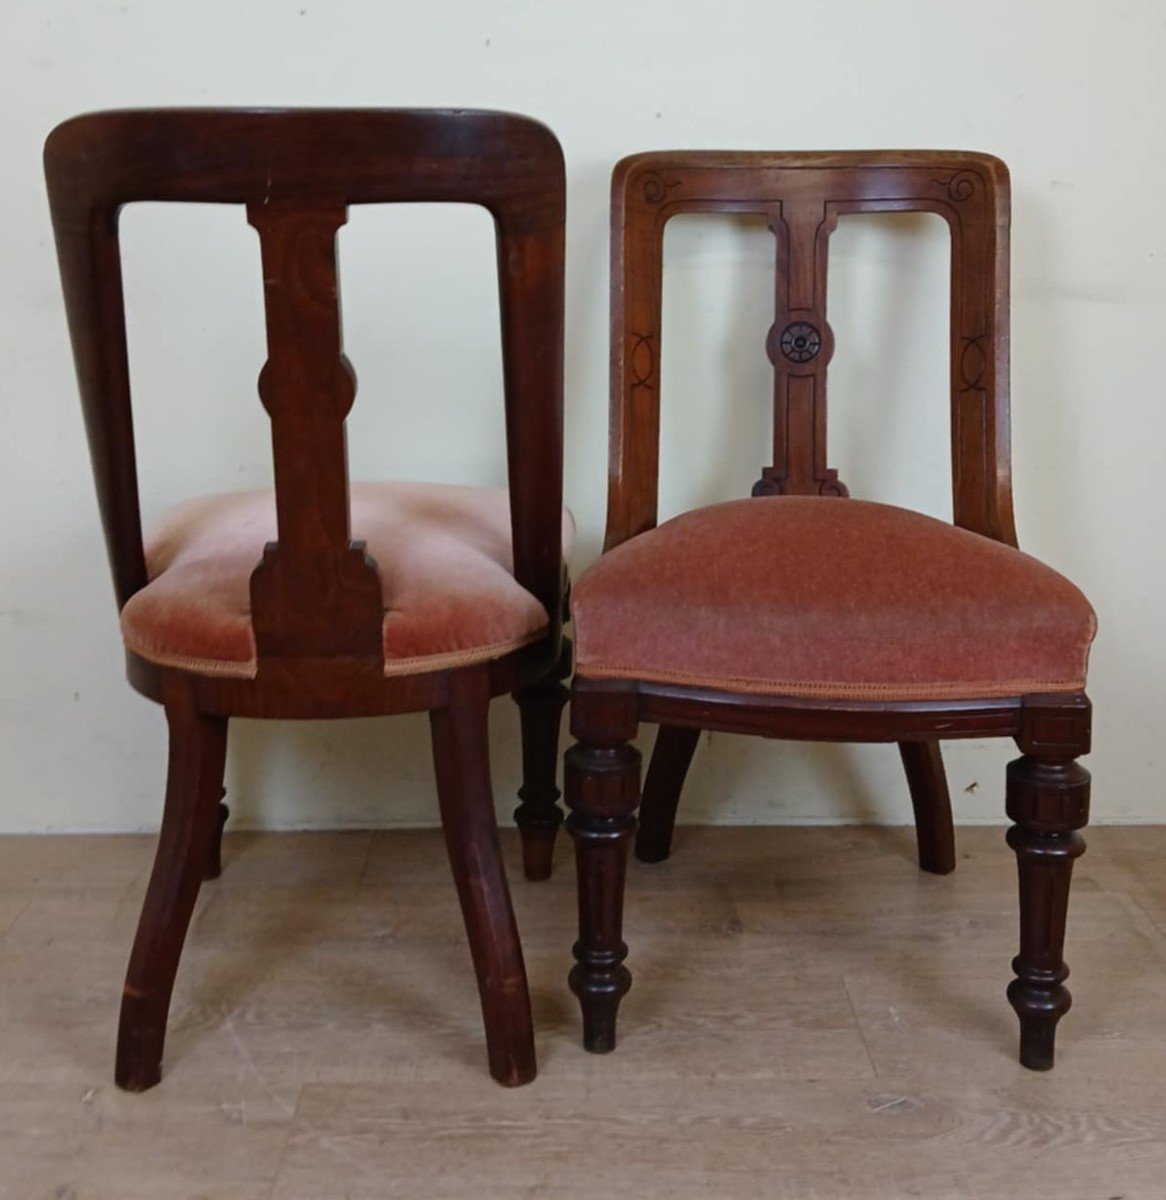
(800, 342)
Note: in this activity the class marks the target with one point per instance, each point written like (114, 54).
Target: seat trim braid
(416, 665)
(957, 690)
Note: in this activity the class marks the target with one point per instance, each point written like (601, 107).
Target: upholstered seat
(831, 598)
(445, 561)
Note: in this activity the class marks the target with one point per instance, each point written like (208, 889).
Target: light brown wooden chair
(262, 604)
(800, 613)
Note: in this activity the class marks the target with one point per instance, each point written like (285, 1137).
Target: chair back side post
(316, 594)
(531, 285)
(89, 258)
(801, 195)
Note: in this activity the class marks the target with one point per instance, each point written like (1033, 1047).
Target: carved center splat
(800, 344)
(316, 592)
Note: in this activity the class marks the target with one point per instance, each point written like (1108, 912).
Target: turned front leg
(603, 785)
(1049, 801)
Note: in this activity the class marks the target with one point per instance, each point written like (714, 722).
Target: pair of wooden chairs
(795, 615)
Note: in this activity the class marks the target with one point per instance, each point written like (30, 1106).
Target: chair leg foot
(461, 759)
(539, 816)
(1038, 1023)
(1049, 801)
(599, 1002)
(194, 782)
(140, 1042)
(602, 792)
(927, 781)
(671, 757)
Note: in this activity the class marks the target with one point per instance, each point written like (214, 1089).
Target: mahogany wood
(214, 862)
(671, 758)
(194, 782)
(539, 816)
(672, 755)
(316, 599)
(934, 831)
(603, 785)
(461, 756)
(802, 195)
(1048, 799)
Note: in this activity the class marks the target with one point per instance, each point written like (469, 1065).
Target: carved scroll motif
(959, 187)
(656, 187)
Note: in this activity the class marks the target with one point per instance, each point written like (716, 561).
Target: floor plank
(812, 1017)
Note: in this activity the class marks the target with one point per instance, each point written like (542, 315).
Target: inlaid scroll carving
(642, 360)
(656, 187)
(960, 186)
(973, 363)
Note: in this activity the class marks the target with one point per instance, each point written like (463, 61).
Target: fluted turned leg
(539, 816)
(1049, 802)
(461, 759)
(671, 757)
(927, 781)
(194, 782)
(602, 792)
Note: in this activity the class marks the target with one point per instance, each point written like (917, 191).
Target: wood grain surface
(813, 1019)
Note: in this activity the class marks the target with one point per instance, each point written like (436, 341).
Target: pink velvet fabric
(445, 560)
(829, 598)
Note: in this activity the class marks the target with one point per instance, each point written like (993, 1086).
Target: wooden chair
(800, 614)
(261, 604)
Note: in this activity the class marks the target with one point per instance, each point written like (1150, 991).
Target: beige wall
(1070, 93)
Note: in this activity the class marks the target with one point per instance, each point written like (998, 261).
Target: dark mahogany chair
(261, 604)
(800, 614)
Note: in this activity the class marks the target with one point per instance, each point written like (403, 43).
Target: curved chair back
(316, 593)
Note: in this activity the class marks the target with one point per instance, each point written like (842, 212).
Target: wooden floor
(812, 1018)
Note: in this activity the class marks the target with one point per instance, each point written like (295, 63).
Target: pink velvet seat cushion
(829, 598)
(445, 560)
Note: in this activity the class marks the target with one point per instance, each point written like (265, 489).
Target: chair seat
(446, 570)
(829, 598)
